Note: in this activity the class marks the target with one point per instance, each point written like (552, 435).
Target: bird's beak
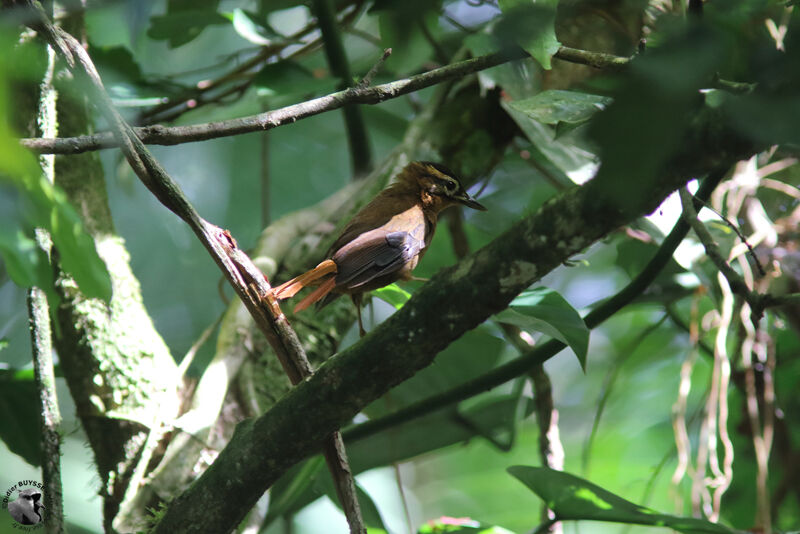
(472, 203)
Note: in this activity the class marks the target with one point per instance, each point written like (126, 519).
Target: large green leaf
(184, 21)
(19, 417)
(544, 310)
(573, 498)
(565, 110)
(44, 206)
(496, 416)
(465, 359)
(531, 24)
(25, 262)
(459, 525)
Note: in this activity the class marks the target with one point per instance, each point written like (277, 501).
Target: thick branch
(173, 135)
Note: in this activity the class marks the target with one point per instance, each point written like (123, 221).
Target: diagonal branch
(173, 135)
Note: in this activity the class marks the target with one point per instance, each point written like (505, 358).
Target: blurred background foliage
(519, 133)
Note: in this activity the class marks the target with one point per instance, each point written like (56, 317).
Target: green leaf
(496, 417)
(531, 24)
(393, 294)
(25, 262)
(567, 157)
(292, 486)
(184, 21)
(573, 498)
(19, 417)
(249, 27)
(369, 510)
(117, 59)
(564, 109)
(544, 310)
(46, 206)
(288, 77)
(77, 253)
(459, 525)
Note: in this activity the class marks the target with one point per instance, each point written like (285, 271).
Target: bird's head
(440, 183)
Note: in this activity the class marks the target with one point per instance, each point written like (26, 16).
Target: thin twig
(366, 81)
(737, 283)
(203, 87)
(163, 135)
(742, 238)
(265, 182)
(50, 421)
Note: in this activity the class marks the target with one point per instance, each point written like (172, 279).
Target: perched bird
(385, 240)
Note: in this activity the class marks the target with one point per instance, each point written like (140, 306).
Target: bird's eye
(450, 186)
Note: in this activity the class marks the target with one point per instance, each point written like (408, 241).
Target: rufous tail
(317, 294)
(290, 288)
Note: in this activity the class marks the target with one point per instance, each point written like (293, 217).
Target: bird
(385, 240)
(27, 510)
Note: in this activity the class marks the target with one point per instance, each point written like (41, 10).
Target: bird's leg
(418, 279)
(357, 301)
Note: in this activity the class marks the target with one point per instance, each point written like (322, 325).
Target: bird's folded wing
(374, 254)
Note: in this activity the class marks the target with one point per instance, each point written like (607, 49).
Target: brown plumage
(385, 240)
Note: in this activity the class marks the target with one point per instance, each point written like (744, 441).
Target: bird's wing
(374, 254)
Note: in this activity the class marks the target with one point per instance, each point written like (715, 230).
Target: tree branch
(735, 280)
(41, 343)
(174, 135)
(357, 139)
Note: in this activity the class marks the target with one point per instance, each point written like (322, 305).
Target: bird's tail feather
(290, 288)
(316, 295)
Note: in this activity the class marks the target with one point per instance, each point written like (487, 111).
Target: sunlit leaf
(250, 27)
(573, 498)
(459, 525)
(393, 294)
(544, 310)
